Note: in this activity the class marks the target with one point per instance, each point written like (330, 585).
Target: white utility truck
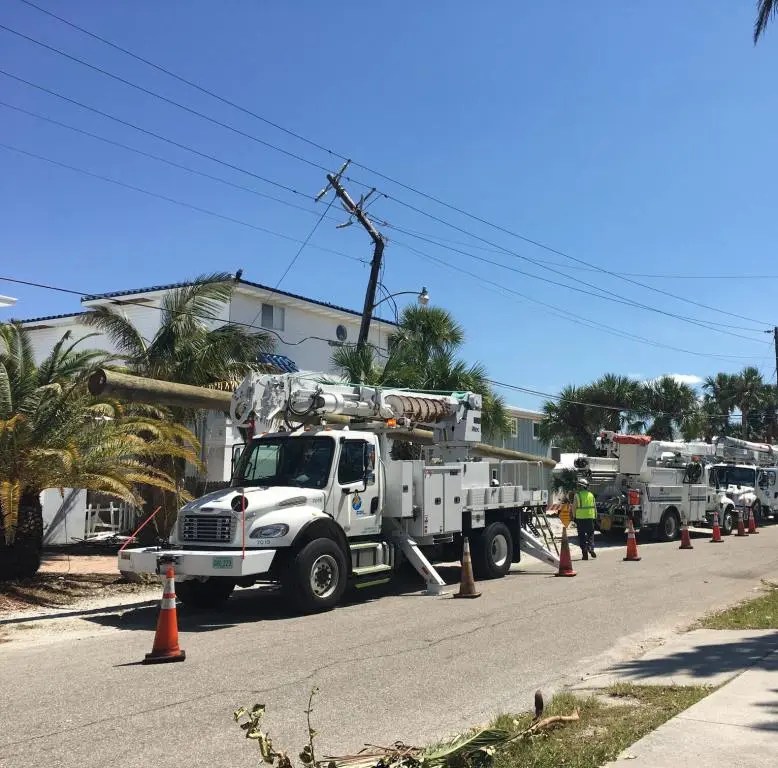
(315, 508)
(744, 476)
(658, 484)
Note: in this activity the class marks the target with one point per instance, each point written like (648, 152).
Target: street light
(422, 297)
(7, 301)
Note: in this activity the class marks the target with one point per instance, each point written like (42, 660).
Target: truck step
(372, 570)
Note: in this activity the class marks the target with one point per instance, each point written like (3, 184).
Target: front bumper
(190, 563)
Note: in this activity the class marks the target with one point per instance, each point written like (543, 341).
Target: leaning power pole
(357, 210)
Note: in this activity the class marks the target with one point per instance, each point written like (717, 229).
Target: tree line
(741, 404)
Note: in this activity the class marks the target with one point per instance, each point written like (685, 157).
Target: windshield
(727, 475)
(299, 461)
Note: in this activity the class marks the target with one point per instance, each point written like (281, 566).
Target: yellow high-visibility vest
(585, 508)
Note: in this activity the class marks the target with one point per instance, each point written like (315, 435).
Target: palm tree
(54, 435)
(423, 355)
(189, 348)
(570, 421)
(620, 399)
(719, 402)
(749, 396)
(672, 405)
(765, 11)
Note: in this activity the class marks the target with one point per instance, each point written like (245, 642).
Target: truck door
(357, 488)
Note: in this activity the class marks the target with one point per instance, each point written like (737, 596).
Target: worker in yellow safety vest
(585, 511)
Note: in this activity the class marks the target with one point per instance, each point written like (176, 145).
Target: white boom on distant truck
(316, 508)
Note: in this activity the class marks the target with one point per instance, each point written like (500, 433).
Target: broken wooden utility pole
(355, 209)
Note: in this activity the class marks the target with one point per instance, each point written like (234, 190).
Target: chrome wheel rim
(324, 576)
(499, 550)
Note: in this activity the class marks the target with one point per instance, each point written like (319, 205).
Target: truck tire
(492, 551)
(205, 595)
(669, 526)
(727, 524)
(317, 576)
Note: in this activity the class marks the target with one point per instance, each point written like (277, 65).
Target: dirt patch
(53, 590)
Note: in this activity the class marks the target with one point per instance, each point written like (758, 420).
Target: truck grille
(202, 528)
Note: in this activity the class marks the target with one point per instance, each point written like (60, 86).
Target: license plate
(605, 523)
(224, 563)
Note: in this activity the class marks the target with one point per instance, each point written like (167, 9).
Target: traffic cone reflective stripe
(741, 529)
(686, 541)
(632, 544)
(467, 582)
(565, 560)
(751, 521)
(165, 646)
(716, 538)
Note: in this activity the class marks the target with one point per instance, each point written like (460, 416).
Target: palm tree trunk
(22, 559)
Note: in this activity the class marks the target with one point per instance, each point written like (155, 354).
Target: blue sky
(636, 137)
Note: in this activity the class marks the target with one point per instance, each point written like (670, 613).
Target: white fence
(110, 518)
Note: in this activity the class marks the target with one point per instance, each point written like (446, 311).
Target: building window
(272, 317)
(514, 427)
(536, 430)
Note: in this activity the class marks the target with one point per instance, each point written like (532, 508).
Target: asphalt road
(399, 666)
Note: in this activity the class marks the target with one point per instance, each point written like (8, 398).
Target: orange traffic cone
(686, 541)
(751, 521)
(565, 560)
(741, 529)
(166, 639)
(716, 538)
(632, 544)
(467, 582)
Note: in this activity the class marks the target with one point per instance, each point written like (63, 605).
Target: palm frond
(124, 336)
(765, 11)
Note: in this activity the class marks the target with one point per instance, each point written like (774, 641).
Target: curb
(66, 613)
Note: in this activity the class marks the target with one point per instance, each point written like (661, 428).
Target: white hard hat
(583, 481)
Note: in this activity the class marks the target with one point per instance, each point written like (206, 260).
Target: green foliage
(663, 408)
(765, 12)
(759, 613)
(423, 355)
(53, 434)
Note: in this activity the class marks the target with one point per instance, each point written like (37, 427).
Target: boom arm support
(294, 397)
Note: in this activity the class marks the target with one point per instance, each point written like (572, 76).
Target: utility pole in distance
(355, 209)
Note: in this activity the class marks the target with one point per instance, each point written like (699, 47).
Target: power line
(215, 318)
(154, 135)
(167, 100)
(602, 294)
(293, 155)
(161, 159)
(263, 229)
(570, 316)
(180, 203)
(297, 255)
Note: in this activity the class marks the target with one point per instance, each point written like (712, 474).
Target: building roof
(173, 286)
(49, 317)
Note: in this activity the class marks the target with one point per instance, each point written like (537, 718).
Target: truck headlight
(270, 531)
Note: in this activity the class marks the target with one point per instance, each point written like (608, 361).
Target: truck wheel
(204, 595)
(727, 521)
(492, 552)
(317, 576)
(669, 526)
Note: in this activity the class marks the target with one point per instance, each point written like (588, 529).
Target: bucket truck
(658, 484)
(744, 476)
(316, 504)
